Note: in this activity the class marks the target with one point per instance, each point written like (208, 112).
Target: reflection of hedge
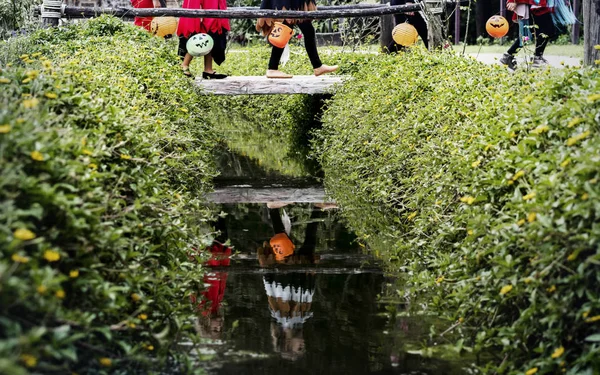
(486, 186)
(102, 155)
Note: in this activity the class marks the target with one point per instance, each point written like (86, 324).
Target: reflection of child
(215, 27)
(289, 295)
(280, 248)
(264, 25)
(211, 314)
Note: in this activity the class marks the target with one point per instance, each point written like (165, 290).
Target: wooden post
(432, 10)
(576, 30)
(457, 24)
(591, 31)
(386, 25)
(51, 12)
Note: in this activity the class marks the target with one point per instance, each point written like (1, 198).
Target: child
(545, 18)
(217, 28)
(308, 31)
(143, 21)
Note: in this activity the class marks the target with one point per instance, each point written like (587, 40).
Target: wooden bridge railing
(324, 12)
(53, 10)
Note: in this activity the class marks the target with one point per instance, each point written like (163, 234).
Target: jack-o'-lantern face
(280, 34)
(276, 32)
(199, 45)
(497, 26)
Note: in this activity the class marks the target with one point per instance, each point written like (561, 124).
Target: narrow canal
(291, 290)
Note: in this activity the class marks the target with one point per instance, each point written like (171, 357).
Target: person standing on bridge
(264, 26)
(217, 28)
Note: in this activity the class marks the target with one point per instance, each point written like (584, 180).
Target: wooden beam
(328, 7)
(88, 12)
(50, 11)
(386, 25)
(591, 31)
(260, 85)
(266, 195)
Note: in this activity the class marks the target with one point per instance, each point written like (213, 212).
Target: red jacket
(537, 9)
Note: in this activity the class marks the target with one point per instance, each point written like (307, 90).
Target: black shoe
(539, 62)
(213, 75)
(509, 60)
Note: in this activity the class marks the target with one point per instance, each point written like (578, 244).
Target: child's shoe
(509, 60)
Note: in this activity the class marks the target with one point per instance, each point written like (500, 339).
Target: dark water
(329, 308)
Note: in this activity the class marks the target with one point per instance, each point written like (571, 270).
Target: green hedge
(482, 187)
(103, 157)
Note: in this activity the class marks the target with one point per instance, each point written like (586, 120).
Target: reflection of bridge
(248, 194)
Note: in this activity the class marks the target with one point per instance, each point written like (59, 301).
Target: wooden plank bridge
(261, 85)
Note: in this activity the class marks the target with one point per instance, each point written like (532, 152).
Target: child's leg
(273, 69)
(543, 33)
(182, 49)
(515, 47)
(208, 63)
(186, 58)
(276, 53)
(419, 23)
(209, 72)
(310, 43)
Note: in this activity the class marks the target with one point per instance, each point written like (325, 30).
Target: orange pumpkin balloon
(280, 34)
(497, 26)
(163, 26)
(405, 34)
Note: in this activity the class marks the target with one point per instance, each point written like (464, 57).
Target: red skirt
(191, 26)
(142, 21)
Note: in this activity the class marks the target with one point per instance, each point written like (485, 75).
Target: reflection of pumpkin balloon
(282, 246)
(405, 34)
(163, 26)
(280, 34)
(199, 45)
(497, 26)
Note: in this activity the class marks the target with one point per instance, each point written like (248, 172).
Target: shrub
(103, 155)
(483, 188)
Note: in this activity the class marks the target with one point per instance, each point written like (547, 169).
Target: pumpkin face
(405, 34)
(280, 34)
(199, 45)
(163, 26)
(497, 26)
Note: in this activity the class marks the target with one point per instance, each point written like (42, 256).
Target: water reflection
(211, 315)
(290, 296)
(298, 295)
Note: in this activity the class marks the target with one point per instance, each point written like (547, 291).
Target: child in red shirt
(217, 28)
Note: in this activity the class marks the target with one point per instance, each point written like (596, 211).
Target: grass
(568, 50)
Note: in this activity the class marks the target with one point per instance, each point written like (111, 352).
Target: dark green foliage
(103, 157)
(484, 188)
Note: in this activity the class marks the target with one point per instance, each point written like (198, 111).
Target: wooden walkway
(261, 85)
(270, 194)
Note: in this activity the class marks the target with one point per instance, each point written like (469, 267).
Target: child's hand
(511, 6)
